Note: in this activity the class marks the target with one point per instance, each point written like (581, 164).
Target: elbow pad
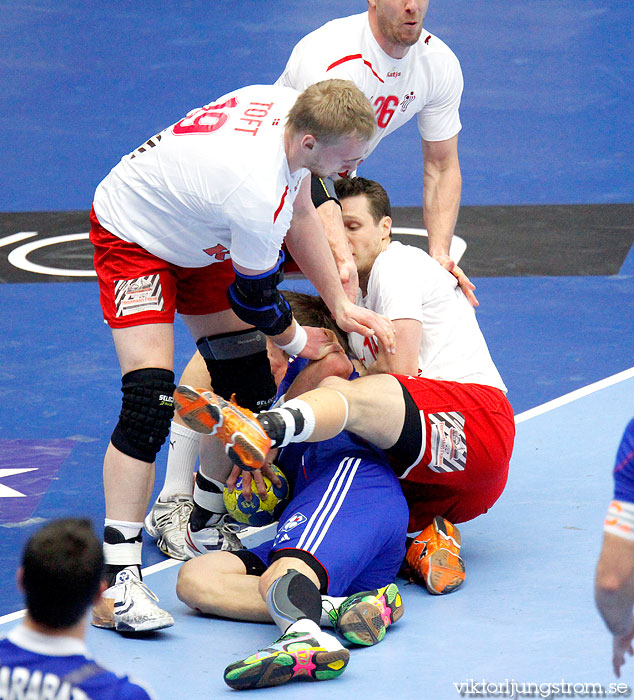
(256, 300)
(322, 189)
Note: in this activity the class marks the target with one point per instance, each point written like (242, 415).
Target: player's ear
(386, 227)
(308, 142)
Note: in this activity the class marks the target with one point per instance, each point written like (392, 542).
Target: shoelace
(137, 582)
(330, 610)
(178, 515)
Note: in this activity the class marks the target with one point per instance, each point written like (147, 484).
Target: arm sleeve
(439, 119)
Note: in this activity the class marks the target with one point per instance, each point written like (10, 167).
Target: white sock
(181, 461)
(123, 553)
(307, 414)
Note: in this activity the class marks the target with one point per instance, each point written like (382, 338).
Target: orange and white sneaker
(245, 441)
(434, 557)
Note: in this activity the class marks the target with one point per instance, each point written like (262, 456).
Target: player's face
(366, 237)
(339, 157)
(400, 22)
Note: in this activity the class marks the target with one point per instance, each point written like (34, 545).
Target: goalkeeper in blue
(344, 531)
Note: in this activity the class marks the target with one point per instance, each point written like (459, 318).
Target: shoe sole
(203, 416)
(362, 624)
(365, 623)
(103, 617)
(244, 454)
(283, 667)
(171, 553)
(446, 572)
(196, 411)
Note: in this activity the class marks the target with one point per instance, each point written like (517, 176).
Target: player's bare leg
(127, 604)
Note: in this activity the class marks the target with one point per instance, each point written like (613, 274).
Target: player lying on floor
(344, 492)
(438, 405)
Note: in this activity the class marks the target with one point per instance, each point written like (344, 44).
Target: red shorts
(137, 288)
(468, 434)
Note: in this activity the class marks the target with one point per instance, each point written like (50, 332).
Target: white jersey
(426, 82)
(405, 283)
(213, 185)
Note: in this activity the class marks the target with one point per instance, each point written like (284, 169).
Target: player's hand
(464, 282)
(620, 647)
(248, 477)
(321, 342)
(355, 319)
(349, 279)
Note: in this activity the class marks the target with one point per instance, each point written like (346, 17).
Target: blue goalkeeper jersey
(34, 665)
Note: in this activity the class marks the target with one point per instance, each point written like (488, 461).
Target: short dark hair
(62, 568)
(379, 202)
(311, 310)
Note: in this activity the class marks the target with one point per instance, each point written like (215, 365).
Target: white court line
(148, 571)
(574, 395)
(519, 418)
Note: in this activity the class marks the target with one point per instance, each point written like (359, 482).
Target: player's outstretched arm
(614, 593)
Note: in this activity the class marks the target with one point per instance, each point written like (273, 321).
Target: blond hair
(331, 109)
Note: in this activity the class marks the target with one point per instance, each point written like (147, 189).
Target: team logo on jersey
(218, 251)
(410, 97)
(293, 522)
(394, 74)
(137, 295)
(448, 442)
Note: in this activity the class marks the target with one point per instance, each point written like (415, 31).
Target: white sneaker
(221, 536)
(130, 606)
(167, 523)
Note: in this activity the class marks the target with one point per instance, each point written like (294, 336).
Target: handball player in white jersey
(193, 221)
(405, 72)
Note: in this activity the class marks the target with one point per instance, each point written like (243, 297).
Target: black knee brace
(238, 364)
(146, 412)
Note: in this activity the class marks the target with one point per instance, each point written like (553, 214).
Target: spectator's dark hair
(62, 568)
(379, 202)
(310, 310)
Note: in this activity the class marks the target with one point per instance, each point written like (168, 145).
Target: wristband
(297, 344)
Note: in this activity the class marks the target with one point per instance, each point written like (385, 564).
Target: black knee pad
(146, 412)
(238, 364)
